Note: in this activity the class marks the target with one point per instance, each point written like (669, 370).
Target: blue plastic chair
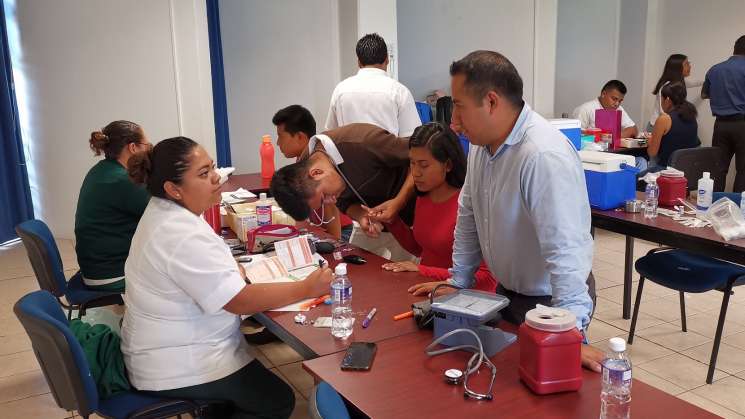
(67, 371)
(325, 403)
(688, 272)
(424, 111)
(45, 259)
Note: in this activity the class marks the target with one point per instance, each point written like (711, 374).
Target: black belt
(735, 117)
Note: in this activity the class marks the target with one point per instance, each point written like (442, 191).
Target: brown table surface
(665, 231)
(371, 287)
(251, 182)
(405, 383)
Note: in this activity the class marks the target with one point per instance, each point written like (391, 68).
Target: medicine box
(241, 218)
(571, 128)
(610, 178)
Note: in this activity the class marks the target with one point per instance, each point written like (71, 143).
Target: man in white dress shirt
(611, 97)
(371, 96)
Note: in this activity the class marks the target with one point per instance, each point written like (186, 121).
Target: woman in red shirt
(438, 166)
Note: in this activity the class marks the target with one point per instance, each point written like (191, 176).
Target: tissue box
(571, 128)
(610, 178)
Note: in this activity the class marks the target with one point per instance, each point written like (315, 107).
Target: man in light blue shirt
(524, 206)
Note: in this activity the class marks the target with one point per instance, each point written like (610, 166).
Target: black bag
(423, 314)
(444, 110)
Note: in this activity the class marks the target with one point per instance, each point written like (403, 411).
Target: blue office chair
(424, 111)
(67, 371)
(45, 259)
(688, 272)
(325, 403)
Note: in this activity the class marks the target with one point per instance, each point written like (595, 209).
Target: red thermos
(266, 152)
(550, 351)
(673, 185)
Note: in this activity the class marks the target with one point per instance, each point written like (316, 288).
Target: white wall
(586, 50)
(380, 16)
(276, 54)
(88, 63)
(348, 36)
(706, 33)
(632, 56)
(434, 33)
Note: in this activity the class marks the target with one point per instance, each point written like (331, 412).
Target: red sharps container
(550, 347)
(213, 218)
(673, 185)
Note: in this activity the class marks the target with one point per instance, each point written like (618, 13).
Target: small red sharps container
(673, 185)
(550, 346)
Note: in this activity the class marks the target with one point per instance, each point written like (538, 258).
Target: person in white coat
(185, 293)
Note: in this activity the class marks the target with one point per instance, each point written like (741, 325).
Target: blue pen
(369, 317)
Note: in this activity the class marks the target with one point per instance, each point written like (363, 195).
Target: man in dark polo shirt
(724, 86)
(355, 166)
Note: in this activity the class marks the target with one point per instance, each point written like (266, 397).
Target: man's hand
(405, 266)
(385, 212)
(425, 288)
(592, 357)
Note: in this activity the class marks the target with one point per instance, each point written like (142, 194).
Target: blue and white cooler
(610, 178)
(571, 128)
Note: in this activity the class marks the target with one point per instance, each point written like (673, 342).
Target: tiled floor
(662, 355)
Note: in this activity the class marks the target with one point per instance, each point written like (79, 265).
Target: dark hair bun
(98, 142)
(139, 167)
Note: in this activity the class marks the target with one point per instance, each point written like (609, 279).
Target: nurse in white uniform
(185, 292)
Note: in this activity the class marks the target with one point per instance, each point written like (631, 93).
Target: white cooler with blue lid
(610, 178)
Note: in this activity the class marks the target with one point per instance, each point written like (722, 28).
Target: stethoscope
(453, 375)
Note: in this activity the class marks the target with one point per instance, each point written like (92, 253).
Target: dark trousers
(521, 304)
(729, 135)
(252, 392)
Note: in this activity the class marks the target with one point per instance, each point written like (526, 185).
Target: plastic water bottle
(266, 152)
(263, 210)
(651, 196)
(341, 312)
(615, 398)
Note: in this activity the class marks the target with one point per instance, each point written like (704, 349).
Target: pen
(403, 315)
(369, 317)
(311, 304)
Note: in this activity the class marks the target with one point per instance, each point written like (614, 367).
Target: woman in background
(109, 206)
(677, 69)
(438, 166)
(676, 128)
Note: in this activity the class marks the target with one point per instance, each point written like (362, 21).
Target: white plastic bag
(727, 219)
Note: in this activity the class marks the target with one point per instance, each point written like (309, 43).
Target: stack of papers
(237, 196)
(292, 262)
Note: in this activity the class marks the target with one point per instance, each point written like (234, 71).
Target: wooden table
(371, 287)
(405, 383)
(665, 231)
(252, 182)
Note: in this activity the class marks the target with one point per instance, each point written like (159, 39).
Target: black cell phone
(354, 259)
(359, 356)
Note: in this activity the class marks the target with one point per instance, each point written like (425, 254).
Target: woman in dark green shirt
(109, 206)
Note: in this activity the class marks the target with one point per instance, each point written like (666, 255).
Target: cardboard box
(244, 218)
